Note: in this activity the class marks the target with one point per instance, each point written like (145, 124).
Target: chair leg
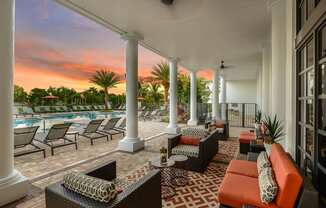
(92, 143)
(52, 151)
(76, 146)
(44, 154)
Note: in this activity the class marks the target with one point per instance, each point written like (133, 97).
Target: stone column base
(13, 188)
(131, 144)
(192, 122)
(172, 129)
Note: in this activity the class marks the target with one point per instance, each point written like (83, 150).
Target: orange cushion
(189, 140)
(238, 190)
(243, 167)
(288, 178)
(246, 138)
(219, 125)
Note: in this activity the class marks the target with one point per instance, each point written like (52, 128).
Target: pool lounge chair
(57, 133)
(110, 127)
(92, 131)
(24, 137)
(121, 125)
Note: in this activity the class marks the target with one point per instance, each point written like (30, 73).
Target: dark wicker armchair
(208, 148)
(144, 193)
(225, 134)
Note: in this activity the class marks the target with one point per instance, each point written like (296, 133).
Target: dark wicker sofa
(208, 148)
(144, 193)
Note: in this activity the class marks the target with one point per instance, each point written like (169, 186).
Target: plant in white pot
(274, 132)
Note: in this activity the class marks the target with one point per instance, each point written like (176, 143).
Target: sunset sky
(58, 47)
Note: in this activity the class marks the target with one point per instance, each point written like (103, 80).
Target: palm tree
(155, 94)
(160, 74)
(105, 79)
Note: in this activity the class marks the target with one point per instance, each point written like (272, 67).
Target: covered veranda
(252, 39)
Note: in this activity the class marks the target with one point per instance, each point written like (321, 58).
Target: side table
(180, 173)
(167, 172)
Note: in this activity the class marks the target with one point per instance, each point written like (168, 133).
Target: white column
(266, 56)
(193, 99)
(12, 184)
(131, 142)
(173, 126)
(278, 46)
(215, 101)
(223, 97)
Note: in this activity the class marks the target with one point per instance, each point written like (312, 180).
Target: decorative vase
(164, 155)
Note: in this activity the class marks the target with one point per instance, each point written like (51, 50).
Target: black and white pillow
(95, 188)
(267, 185)
(195, 132)
(262, 161)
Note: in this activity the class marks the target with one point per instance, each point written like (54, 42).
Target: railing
(239, 114)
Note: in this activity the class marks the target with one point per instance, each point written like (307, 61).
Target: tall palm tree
(105, 79)
(160, 74)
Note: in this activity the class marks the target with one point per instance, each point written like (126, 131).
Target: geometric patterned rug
(201, 191)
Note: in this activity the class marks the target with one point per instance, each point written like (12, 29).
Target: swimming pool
(76, 117)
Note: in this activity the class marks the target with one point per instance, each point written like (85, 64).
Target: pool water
(50, 119)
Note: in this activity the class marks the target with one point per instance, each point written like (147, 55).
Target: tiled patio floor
(43, 172)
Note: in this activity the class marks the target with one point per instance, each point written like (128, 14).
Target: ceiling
(199, 32)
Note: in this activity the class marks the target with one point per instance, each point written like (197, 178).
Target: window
(309, 141)
(310, 112)
(322, 79)
(310, 83)
(322, 114)
(310, 54)
(322, 42)
(310, 7)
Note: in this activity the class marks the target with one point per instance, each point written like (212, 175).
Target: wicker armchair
(225, 134)
(144, 193)
(208, 148)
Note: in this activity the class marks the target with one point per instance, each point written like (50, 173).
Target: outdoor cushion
(288, 178)
(197, 132)
(238, 190)
(246, 138)
(95, 188)
(189, 140)
(262, 161)
(187, 150)
(243, 167)
(267, 185)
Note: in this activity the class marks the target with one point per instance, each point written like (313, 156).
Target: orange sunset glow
(57, 47)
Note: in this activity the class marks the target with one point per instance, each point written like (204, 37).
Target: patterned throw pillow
(95, 188)
(267, 185)
(262, 161)
(195, 132)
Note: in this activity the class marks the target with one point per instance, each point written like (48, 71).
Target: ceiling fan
(167, 2)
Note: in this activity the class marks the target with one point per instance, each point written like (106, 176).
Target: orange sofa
(240, 184)
(244, 141)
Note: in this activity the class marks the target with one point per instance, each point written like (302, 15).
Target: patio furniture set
(267, 180)
(57, 136)
(83, 189)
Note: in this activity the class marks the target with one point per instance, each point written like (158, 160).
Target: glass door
(321, 116)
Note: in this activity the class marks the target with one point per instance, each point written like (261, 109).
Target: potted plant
(274, 131)
(258, 117)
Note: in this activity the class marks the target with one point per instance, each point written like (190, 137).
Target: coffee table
(167, 172)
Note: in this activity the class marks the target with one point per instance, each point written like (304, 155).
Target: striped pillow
(95, 188)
